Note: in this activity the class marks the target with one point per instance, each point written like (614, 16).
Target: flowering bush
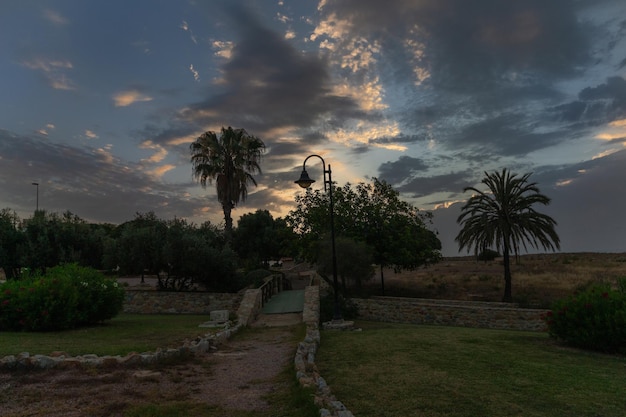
(592, 319)
(67, 296)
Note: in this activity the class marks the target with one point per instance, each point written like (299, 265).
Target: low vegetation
(594, 318)
(402, 370)
(540, 280)
(123, 334)
(65, 297)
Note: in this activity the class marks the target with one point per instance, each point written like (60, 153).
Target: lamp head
(304, 181)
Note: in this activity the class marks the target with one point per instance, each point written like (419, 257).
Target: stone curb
(62, 360)
(246, 312)
(304, 361)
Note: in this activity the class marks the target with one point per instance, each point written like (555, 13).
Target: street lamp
(37, 206)
(305, 182)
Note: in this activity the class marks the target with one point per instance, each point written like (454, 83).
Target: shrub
(349, 310)
(593, 319)
(488, 255)
(65, 297)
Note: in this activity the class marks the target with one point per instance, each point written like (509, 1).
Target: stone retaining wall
(450, 313)
(166, 302)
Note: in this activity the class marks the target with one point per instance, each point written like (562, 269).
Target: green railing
(272, 286)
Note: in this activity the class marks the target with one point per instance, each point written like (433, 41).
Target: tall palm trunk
(507, 273)
(228, 221)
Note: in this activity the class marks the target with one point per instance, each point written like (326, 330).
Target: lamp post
(305, 182)
(37, 206)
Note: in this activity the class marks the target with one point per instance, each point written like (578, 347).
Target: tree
(139, 248)
(372, 213)
(504, 217)
(230, 159)
(354, 261)
(254, 238)
(11, 239)
(259, 238)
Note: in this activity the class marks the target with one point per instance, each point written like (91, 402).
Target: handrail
(272, 286)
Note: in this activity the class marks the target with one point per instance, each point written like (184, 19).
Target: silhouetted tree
(230, 159)
(504, 217)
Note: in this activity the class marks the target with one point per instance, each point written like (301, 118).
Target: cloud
(90, 134)
(89, 182)
(223, 49)
(160, 151)
(54, 71)
(184, 26)
(452, 183)
(286, 87)
(55, 17)
(465, 43)
(403, 168)
(45, 131)
(196, 75)
(128, 97)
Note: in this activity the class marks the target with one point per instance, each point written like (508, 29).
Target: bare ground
(236, 377)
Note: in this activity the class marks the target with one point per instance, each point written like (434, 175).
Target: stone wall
(450, 313)
(166, 302)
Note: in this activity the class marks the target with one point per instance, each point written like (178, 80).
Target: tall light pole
(305, 182)
(37, 206)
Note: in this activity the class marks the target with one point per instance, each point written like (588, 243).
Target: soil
(237, 376)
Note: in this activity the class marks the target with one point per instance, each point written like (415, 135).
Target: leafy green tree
(41, 241)
(504, 217)
(11, 243)
(373, 213)
(354, 261)
(230, 159)
(139, 248)
(259, 238)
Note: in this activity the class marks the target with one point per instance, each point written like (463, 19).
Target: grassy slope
(401, 370)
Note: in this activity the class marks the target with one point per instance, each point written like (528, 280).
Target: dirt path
(237, 376)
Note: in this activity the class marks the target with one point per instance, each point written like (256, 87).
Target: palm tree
(504, 217)
(230, 160)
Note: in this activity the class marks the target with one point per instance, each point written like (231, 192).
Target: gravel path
(235, 377)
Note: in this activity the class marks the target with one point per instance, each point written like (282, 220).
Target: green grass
(125, 333)
(402, 370)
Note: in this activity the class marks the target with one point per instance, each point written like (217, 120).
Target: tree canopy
(372, 213)
(230, 159)
(504, 217)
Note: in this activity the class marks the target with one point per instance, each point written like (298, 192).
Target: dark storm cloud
(267, 83)
(452, 183)
(507, 135)
(492, 68)
(83, 180)
(595, 106)
(475, 42)
(401, 169)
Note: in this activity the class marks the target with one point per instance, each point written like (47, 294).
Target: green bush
(349, 310)
(593, 319)
(67, 296)
(488, 255)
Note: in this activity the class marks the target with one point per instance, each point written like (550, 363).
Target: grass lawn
(125, 333)
(428, 371)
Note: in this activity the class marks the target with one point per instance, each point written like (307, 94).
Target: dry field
(537, 280)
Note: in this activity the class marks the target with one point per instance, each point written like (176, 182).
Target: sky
(99, 101)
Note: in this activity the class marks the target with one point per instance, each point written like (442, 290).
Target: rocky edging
(248, 307)
(304, 361)
(62, 360)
